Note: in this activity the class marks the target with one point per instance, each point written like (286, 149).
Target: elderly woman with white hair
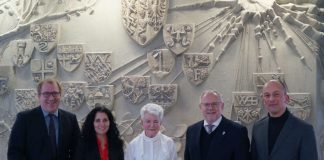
(151, 144)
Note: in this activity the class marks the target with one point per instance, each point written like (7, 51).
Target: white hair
(152, 108)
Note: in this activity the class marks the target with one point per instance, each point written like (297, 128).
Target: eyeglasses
(214, 104)
(48, 94)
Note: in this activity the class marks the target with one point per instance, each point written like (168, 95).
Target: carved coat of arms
(25, 99)
(135, 88)
(261, 78)
(103, 94)
(97, 67)
(163, 94)
(196, 66)
(69, 56)
(143, 19)
(246, 106)
(22, 50)
(73, 95)
(161, 62)
(4, 87)
(300, 104)
(45, 36)
(43, 68)
(178, 37)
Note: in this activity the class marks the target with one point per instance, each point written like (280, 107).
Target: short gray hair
(216, 93)
(154, 109)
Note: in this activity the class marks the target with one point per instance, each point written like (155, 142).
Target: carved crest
(70, 56)
(97, 67)
(23, 50)
(135, 88)
(196, 66)
(246, 106)
(73, 95)
(178, 37)
(300, 104)
(4, 87)
(163, 94)
(43, 68)
(103, 94)
(143, 19)
(161, 62)
(26, 99)
(261, 78)
(45, 36)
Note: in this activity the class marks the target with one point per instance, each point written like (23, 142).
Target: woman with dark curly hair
(100, 139)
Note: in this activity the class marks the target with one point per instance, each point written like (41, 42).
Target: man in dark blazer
(281, 135)
(45, 132)
(215, 137)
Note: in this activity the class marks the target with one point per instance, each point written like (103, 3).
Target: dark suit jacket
(90, 151)
(231, 142)
(296, 141)
(29, 139)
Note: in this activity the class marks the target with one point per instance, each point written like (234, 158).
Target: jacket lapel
(264, 137)
(220, 133)
(283, 135)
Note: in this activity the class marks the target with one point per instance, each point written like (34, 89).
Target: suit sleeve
(308, 149)
(187, 150)
(254, 151)
(75, 135)
(242, 151)
(79, 151)
(17, 140)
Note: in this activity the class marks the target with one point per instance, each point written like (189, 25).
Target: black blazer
(230, 142)
(29, 139)
(296, 141)
(90, 151)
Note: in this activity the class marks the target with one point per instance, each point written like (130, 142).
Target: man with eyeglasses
(45, 132)
(216, 137)
(281, 135)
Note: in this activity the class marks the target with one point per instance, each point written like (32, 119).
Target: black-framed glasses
(48, 94)
(214, 104)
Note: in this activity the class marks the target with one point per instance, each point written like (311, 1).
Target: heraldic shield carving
(196, 66)
(4, 85)
(43, 69)
(163, 94)
(246, 106)
(97, 67)
(161, 62)
(45, 36)
(70, 56)
(25, 99)
(73, 95)
(22, 50)
(261, 78)
(143, 19)
(300, 104)
(135, 88)
(178, 37)
(103, 94)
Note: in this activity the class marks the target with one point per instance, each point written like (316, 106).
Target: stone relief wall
(128, 53)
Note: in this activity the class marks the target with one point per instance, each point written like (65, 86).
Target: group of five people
(50, 133)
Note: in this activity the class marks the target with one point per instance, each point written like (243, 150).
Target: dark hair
(49, 81)
(89, 134)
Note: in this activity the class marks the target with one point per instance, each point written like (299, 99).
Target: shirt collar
(216, 123)
(45, 113)
(146, 138)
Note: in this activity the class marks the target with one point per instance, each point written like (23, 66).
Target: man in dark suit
(45, 132)
(215, 137)
(281, 135)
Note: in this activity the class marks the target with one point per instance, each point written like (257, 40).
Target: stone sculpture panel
(97, 67)
(22, 50)
(103, 94)
(143, 19)
(261, 78)
(300, 104)
(43, 68)
(161, 62)
(45, 36)
(73, 95)
(135, 88)
(26, 99)
(70, 56)
(163, 94)
(246, 106)
(178, 37)
(4, 86)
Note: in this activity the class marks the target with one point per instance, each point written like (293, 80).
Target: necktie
(52, 135)
(209, 128)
